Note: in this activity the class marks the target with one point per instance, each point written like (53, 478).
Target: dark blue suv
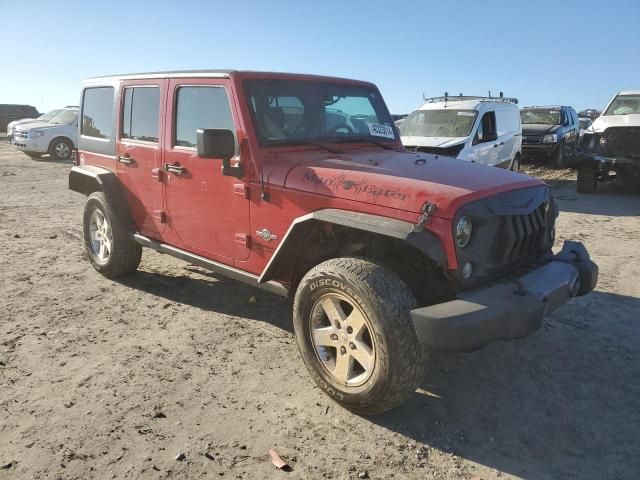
(551, 133)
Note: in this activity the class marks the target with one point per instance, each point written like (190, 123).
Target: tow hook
(427, 209)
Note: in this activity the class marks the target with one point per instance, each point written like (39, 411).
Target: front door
(485, 142)
(138, 153)
(207, 213)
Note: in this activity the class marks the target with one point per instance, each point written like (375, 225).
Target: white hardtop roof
(629, 92)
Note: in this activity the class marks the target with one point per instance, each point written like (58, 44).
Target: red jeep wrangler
(298, 184)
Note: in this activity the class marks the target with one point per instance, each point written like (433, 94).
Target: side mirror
(219, 143)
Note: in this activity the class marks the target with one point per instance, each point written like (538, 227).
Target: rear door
(506, 138)
(208, 213)
(139, 153)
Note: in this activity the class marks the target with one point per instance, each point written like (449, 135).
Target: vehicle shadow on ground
(49, 159)
(611, 199)
(208, 291)
(561, 403)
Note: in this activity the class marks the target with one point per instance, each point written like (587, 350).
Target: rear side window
(97, 112)
(201, 107)
(140, 113)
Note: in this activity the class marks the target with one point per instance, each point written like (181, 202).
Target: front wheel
(587, 181)
(108, 243)
(557, 159)
(60, 149)
(515, 164)
(353, 328)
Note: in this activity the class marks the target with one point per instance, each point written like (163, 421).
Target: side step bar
(227, 271)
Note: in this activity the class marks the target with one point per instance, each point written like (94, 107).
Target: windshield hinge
(427, 209)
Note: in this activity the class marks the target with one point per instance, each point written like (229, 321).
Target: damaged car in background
(482, 130)
(610, 148)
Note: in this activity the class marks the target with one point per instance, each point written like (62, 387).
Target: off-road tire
(125, 255)
(587, 181)
(386, 301)
(54, 151)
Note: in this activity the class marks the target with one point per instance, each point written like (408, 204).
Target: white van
(484, 130)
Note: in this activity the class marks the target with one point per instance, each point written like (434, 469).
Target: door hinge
(157, 174)
(160, 216)
(241, 189)
(243, 239)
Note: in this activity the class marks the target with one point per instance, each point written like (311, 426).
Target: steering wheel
(341, 126)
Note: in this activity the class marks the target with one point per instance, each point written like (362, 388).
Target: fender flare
(425, 241)
(88, 179)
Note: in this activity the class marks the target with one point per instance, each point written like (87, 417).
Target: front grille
(531, 139)
(22, 134)
(620, 141)
(523, 236)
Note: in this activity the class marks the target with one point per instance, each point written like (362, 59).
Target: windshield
(438, 123)
(624, 105)
(540, 115)
(64, 117)
(289, 112)
(45, 117)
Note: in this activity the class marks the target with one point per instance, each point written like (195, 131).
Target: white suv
(484, 130)
(58, 137)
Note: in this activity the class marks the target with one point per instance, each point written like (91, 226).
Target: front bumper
(599, 163)
(539, 149)
(507, 310)
(38, 145)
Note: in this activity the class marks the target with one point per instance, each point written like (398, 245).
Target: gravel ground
(117, 379)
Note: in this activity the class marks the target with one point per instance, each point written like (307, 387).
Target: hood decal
(357, 186)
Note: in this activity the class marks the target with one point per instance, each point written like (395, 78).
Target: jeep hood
(402, 180)
(603, 122)
(538, 128)
(438, 142)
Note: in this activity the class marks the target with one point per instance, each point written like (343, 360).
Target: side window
(140, 113)
(486, 129)
(504, 122)
(200, 107)
(97, 112)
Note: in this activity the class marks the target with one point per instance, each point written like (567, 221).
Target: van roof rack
(544, 106)
(461, 97)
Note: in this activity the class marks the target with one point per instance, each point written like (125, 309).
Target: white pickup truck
(58, 137)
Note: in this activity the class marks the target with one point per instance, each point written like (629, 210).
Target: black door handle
(501, 143)
(127, 160)
(171, 168)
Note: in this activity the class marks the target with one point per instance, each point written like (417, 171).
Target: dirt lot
(106, 379)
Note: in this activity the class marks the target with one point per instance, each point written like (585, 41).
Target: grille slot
(531, 139)
(519, 237)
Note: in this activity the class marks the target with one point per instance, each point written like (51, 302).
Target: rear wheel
(353, 328)
(108, 243)
(587, 181)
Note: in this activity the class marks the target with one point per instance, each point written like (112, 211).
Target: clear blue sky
(569, 52)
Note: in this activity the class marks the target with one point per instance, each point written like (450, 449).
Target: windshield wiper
(320, 145)
(366, 139)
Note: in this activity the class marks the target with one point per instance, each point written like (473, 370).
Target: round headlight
(463, 232)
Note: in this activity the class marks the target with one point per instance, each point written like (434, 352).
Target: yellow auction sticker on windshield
(379, 130)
